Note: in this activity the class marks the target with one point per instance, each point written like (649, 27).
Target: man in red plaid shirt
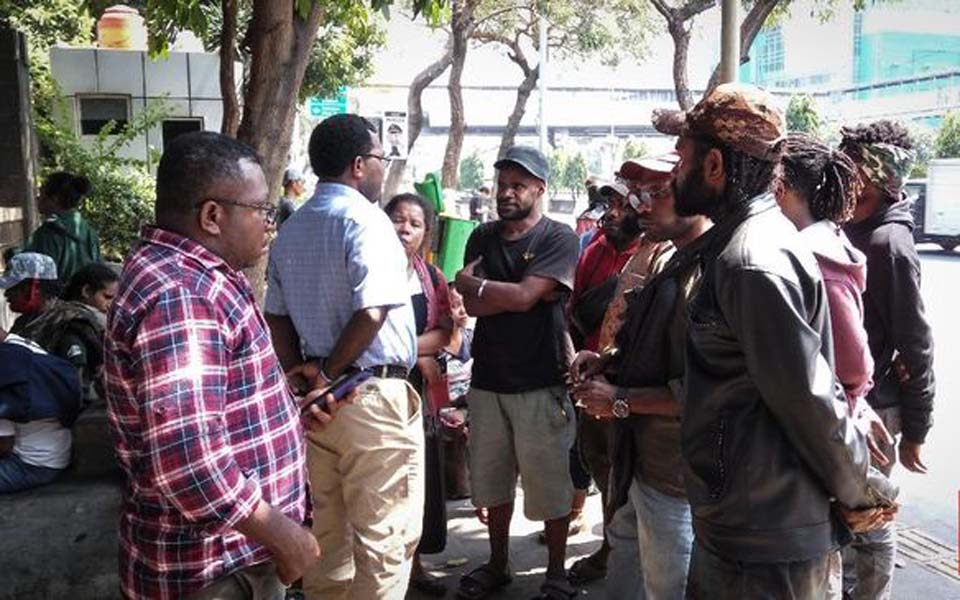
(204, 424)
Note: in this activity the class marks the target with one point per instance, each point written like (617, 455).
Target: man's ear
(357, 168)
(714, 170)
(210, 218)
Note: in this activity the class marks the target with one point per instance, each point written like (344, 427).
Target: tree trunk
(458, 125)
(228, 84)
(415, 116)
(749, 28)
(681, 47)
(677, 26)
(280, 46)
(519, 109)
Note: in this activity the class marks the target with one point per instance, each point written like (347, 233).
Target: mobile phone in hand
(340, 388)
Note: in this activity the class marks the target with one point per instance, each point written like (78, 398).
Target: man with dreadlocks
(899, 335)
(766, 436)
(817, 191)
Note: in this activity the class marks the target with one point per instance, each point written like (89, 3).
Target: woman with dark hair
(818, 193)
(413, 218)
(95, 285)
(65, 236)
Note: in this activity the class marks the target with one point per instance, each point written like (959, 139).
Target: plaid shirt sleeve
(180, 349)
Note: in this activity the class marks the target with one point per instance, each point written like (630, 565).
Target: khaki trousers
(366, 478)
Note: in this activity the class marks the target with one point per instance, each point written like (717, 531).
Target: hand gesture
(316, 419)
(585, 365)
(464, 274)
(862, 521)
(305, 377)
(595, 396)
(877, 435)
(910, 456)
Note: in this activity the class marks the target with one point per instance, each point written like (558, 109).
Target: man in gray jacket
(767, 443)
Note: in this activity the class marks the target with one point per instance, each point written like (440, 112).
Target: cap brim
(613, 188)
(669, 121)
(505, 162)
(8, 281)
(656, 165)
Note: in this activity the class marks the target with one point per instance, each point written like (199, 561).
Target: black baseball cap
(528, 158)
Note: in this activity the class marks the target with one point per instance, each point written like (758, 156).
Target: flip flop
(430, 586)
(586, 570)
(482, 582)
(557, 589)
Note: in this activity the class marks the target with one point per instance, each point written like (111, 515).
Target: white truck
(936, 204)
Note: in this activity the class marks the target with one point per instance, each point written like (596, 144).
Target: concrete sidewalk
(467, 539)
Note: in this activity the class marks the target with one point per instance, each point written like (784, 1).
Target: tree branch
(228, 85)
(749, 28)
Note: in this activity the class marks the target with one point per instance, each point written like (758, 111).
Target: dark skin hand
(910, 456)
(500, 296)
(306, 377)
(869, 519)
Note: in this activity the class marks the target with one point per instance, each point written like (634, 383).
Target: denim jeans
(16, 475)
(651, 539)
(868, 562)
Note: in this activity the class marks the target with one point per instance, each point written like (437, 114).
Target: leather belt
(389, 371)
(380, 371)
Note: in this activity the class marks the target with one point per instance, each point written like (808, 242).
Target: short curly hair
(878, 132)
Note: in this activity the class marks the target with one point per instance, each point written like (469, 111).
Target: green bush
(947, 143)
(471, 172)
(122, 196)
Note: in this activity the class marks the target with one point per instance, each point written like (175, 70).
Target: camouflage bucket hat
(741, 116)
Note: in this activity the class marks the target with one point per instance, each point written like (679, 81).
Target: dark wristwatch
(621, 404)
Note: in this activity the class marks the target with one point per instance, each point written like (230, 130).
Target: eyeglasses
(646, 197)
(384, 159)
(267, 210)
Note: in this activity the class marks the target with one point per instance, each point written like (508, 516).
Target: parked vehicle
(936, 204)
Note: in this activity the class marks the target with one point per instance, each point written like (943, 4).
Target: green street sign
(322, 108)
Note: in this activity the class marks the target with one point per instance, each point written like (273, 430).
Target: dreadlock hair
(747, 176)
(878, 132)
(826, 179)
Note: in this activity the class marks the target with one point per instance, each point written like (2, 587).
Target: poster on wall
(395, 134)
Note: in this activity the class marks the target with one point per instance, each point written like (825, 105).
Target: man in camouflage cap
(765, 438)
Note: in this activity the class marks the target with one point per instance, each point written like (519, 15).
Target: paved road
(930, 502)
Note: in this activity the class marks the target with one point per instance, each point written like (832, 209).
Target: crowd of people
(736, 357)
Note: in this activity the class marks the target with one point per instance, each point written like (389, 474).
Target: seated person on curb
(70, 329)
(519, 270)
(39, 401)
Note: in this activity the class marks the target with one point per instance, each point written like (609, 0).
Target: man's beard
(694, 197)
(517, 214)
(625, 232)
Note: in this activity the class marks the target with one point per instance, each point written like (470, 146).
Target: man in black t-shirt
(519, 271)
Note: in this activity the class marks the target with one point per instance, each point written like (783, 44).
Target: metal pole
(730, 41)
(543, 84)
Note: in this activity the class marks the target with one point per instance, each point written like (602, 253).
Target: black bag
(434, 536)
(590, 308)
